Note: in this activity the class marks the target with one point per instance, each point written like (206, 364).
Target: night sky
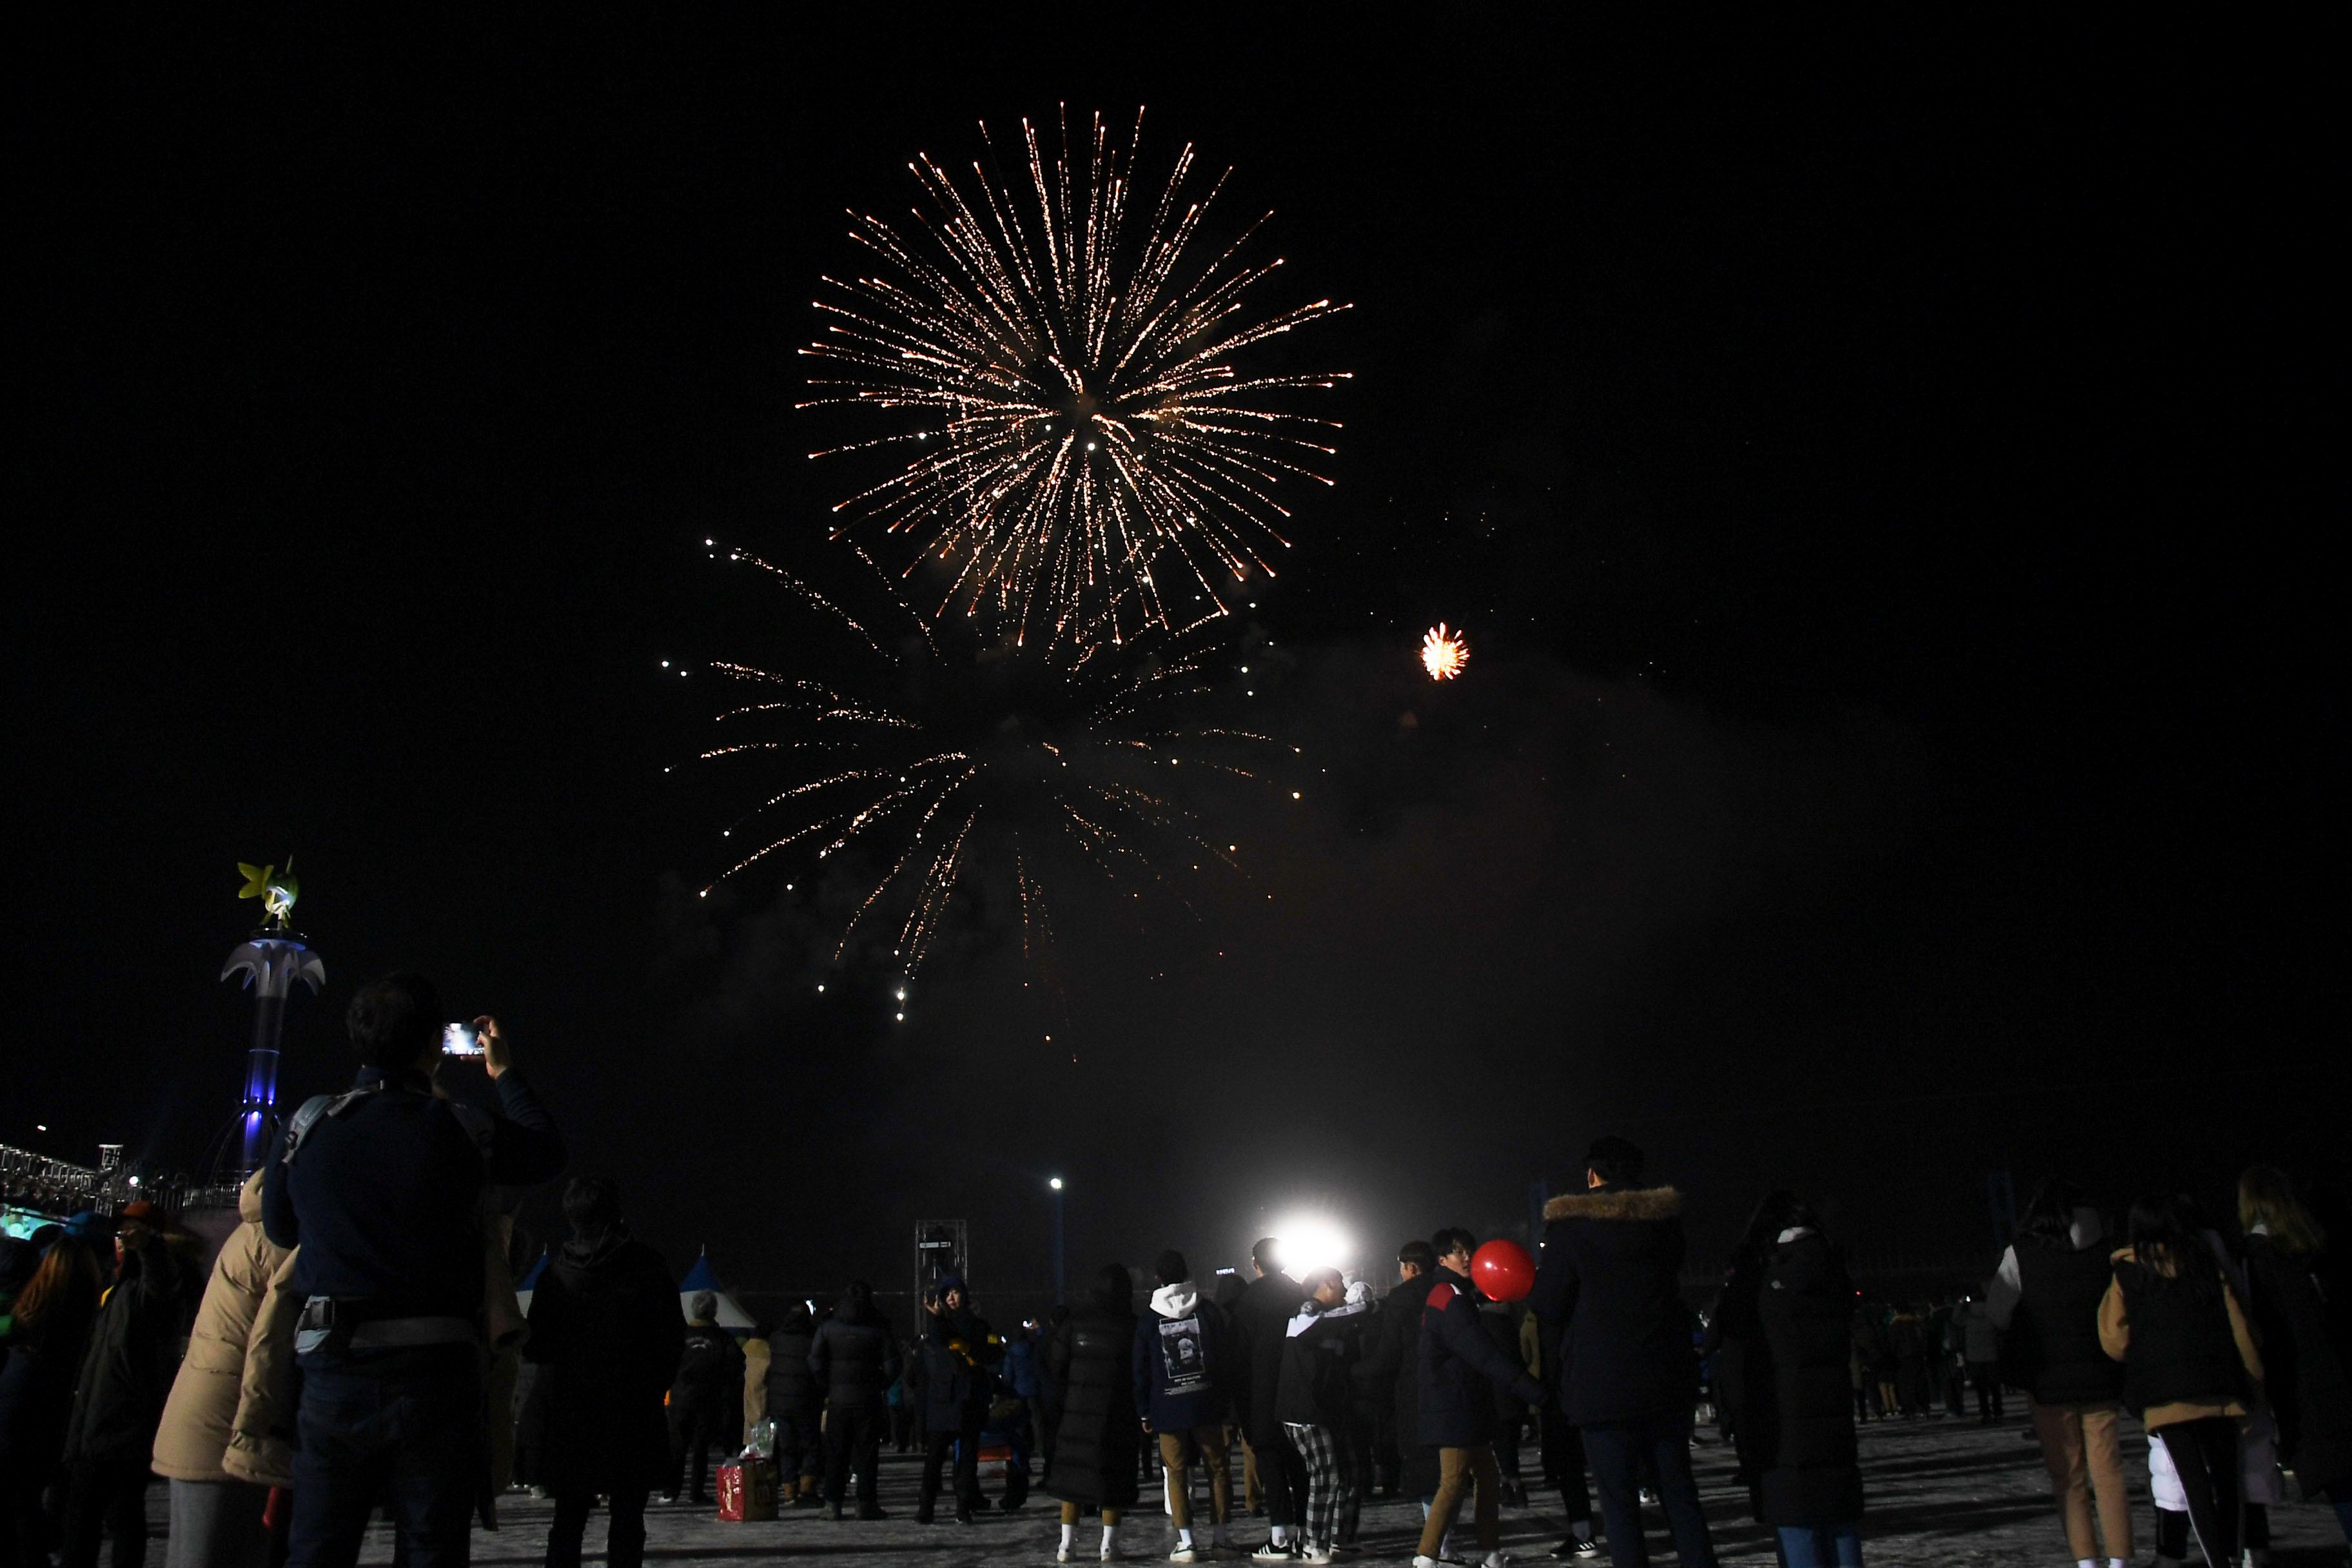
(1878, 472)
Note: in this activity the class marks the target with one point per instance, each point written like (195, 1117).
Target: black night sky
(1879, 472)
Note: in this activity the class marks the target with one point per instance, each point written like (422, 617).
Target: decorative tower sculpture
(272, 960)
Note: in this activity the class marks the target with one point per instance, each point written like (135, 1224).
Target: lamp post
(1054, 1185)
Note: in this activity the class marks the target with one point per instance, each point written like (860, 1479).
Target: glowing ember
(1443, 653)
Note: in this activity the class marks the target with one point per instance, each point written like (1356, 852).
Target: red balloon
(1503, 1270)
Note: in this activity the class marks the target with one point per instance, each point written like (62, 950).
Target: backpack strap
(317, 1109)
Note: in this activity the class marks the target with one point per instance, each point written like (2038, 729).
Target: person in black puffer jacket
(2303, 1306)
(605, 1336)
(1460, 1371)
(2045, 1297)
(1795, 1416)
(855, 1360)
(2191, 1369)
(793, 1396)
(1098, 1433)
(1609, 1293)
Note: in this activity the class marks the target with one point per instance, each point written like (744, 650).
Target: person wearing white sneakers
(1460, 1371)
(1325, 1342)
(1091, 1400)
(1180, 1360)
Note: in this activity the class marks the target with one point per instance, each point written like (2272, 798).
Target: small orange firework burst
(1443, 653)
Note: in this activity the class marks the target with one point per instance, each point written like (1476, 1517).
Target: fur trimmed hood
(1617, 1203)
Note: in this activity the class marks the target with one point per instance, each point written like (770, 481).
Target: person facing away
(709, 1372)
(853, 1359)
(1315, 1402)
(1794, 1317)
(127, 1373)
(381, 1189)
(1459, 1371)
(961, 1355)
(1391, 1366)
(42, 1342)
(216, 1518)
(2302, 1307)
(2191, 1369)
(1261, 1320)
(1090, 1373)
(2045, 1298)
(791, 1402)
(1609, 1293)
(606, 1338)
(1179, 1366)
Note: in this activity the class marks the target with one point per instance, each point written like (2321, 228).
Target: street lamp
(1054, 1184)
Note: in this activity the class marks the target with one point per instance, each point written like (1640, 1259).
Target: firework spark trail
(889, 772)
(1084, 418)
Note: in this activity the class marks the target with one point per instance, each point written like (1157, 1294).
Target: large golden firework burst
(1086, 448)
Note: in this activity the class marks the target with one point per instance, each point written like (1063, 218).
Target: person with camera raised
(382, 1187)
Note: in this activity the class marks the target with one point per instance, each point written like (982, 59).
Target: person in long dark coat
(2302, 1305)
(127, 1372)
(1261, 1323)
(1796, 1411)
(1392, 1365)
(1097, 1432)
(606, 1337)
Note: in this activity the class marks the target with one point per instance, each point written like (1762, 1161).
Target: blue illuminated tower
(272, 959)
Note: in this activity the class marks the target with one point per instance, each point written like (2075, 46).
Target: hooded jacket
(201, 1410)
(606, 1337)
(1610, 1294)
(1319, 1352)
(1182, 1358)
(853, 1359)
(1797, 1418)
(1461, 1369)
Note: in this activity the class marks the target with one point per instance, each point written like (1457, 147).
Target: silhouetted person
(382, 1189)
(606, 1338)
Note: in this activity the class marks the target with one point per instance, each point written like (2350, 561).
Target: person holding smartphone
(381, 1188)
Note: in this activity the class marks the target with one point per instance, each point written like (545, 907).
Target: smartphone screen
(460, 1040)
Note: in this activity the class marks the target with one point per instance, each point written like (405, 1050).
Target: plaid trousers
(1330, 1481)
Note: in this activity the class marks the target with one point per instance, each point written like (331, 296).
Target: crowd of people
(359, 1327)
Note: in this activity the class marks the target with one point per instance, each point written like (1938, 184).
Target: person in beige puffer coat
(215, 1515)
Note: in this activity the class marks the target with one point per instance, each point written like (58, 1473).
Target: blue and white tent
(701, 1278)
(529, 1282)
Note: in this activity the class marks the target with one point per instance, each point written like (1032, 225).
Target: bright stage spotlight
(1310, 1242)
